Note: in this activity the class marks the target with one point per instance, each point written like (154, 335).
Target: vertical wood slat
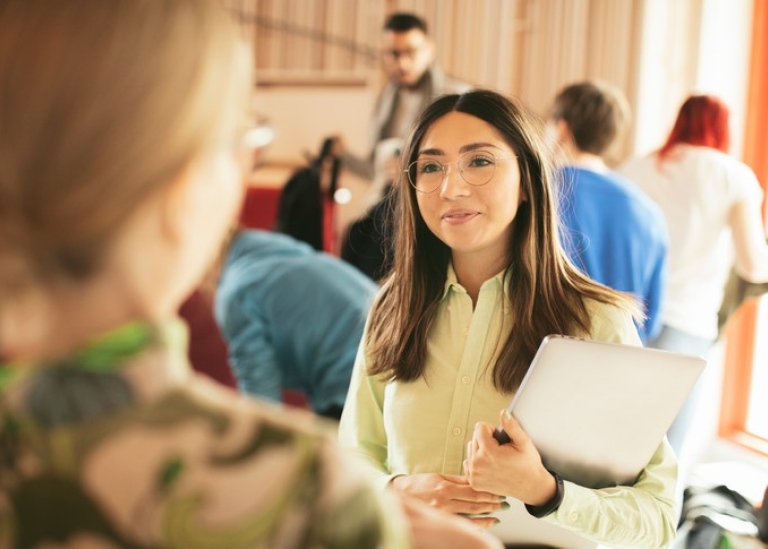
(305, 14)
(321, 57)
(262, 42)
(443, 34)
(521, 12)
(503, 51)
(331, 58)
(282, 13)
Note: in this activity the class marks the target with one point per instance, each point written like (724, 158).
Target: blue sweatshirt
(617, 236)
(292, 317)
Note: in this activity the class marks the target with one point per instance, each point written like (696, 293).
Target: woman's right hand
(433, 528)
(451, 493)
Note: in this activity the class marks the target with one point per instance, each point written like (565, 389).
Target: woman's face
(473, 221)
(216, 189)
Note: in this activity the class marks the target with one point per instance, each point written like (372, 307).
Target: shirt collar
(452, 282)
(133, 348)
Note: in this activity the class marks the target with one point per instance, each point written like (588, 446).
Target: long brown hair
(546, 292)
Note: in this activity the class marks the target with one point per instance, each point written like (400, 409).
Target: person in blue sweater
(611, 230)
(292, 318)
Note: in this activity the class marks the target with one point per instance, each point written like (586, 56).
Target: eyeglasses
(475, 167)
(252, 139)
(408, 54)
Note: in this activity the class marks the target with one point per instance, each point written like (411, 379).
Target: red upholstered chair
(260, 207)
(207, 351)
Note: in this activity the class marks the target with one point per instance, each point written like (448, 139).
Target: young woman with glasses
(479, 279)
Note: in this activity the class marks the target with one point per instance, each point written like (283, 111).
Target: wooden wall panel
(526, 48)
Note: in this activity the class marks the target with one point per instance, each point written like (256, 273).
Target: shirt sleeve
(251, 352)
(611, 324)
(743, 184)
(641, 515)
(361, 428)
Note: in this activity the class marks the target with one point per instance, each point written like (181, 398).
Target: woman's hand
(433, 528)
(450, 493)
(512, 469)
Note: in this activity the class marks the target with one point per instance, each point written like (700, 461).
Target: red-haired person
(711, 202)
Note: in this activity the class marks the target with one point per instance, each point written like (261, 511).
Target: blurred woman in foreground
(120, 148)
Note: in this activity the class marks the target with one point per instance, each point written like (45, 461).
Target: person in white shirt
(711, 202)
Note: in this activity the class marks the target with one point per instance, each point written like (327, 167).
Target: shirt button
(456, 431)
(573, 517)
(465, 380)
(466, 330)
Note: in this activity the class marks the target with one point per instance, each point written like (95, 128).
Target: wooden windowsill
(272, 79)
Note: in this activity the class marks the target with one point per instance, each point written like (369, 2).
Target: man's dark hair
(403, 22)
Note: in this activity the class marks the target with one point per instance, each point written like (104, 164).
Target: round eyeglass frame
(444, 170)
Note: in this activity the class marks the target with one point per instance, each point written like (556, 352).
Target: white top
(696, 188)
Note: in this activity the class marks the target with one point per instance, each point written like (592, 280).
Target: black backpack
(712, 514)
(300, 208)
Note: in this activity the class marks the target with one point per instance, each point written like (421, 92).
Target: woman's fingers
(432, 528)
(513, 428)
(483, 522)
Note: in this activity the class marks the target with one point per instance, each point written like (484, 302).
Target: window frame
(739, 363)
(741, 331)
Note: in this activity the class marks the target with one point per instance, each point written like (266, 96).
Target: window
(744, 411)
(757, 408)
(743, 419)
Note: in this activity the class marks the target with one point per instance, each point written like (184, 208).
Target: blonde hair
(102, 104)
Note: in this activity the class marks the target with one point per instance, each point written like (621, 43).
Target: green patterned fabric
(104, 354)
(120, 443)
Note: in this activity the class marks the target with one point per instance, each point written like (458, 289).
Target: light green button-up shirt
(423, 426)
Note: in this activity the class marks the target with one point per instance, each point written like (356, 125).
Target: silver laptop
(596, 412)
